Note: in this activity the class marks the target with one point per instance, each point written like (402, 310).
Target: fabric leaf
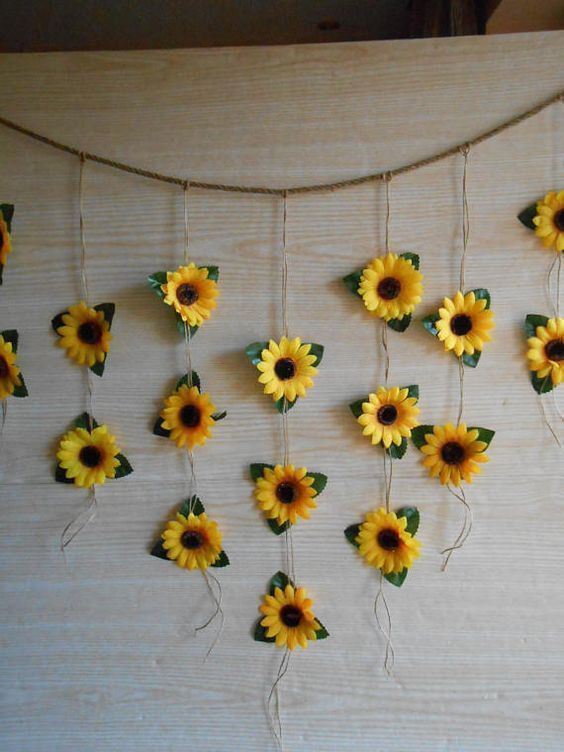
(257, 469)
(260, 632)
(527, 215)
(183, 381)
(124, 467)
(412, 516)
(412, 390)
(532, 321)
(351, 534)
(316, 350)
(471, 360)
(352, 282)
(276, 528)
(484, 434)
(159, 551)
(61, 476)
(284, 405)
(480, 293)
(400, 325)
(429, 323)
(413, 257)
(222, 560)
(11, 335)
(397, 578)
(254, 350)
(541, 386)
(396, 452)
(279, 580)
(356, 407)
(219, 416)
(158, 429)
(418, 434)
(195, 503)
(85, 421)
(321, 633)
(21, 390)
(319, 481)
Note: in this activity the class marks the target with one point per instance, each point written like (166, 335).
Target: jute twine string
(317, 188)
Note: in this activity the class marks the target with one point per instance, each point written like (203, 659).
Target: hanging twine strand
(274, 715)
(385, 626)
(465, 530)
(318, 188)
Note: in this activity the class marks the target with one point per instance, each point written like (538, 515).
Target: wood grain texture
(100, 654)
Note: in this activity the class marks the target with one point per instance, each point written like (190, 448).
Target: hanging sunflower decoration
(546, 351)
(287, 616)
(6, 214)
(463, 324)
(88, 455)
(452, 453)
(11, 380)
(84, 333)
(285, 493)
(190, 291)
(388, 416)
(386, 541)
(287, 368)
(546, 218)
(192, 540)
(390, 287)
(188, 414)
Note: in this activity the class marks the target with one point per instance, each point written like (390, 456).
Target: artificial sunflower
(287, 368)
(549, 220)
(546, 351)
(285, 493)
(88, 457)
(5, 238)
(10, 377)
(85, 334)
(391, 286)
(384, 542)
(193, 542)
(453, 453)
(389, 415)
(187, 414)
(191, 292)
(288, 617)
(464, 323)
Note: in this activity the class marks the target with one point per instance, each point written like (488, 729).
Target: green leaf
(156, 280)
(480, 293)
(159, 551)
(279, 580)
(57, 321)
(284, 405)
(351, 534)
(222, 560)
(319, 481)
(352, 282)
(213, 272)
(397, 578)
(533, 320)
(400, 325)
(98, 368)
(219, 416)
(21, 390)
(472, 360)
(257, 469)
(254, 350)
(316, 350)
(276, 528)
(85, 421)
(193, 504)
(181, 326)
(429, 323)
(397, 452)
(124, 467)
(7, 213)
(418, 434)
(61, 475)
(413, 257)
(108, 309)
(321, 633)
(527, 215)
(541, 386)
(484, 434)
(11, 335)
(412, 390)
(260, 632)
(412, 516)
(158, 429)
(183, 381)
(356, 407)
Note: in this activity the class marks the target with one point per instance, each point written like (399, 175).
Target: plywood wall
(99, 653)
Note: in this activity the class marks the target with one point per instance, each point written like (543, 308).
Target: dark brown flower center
(558, 220)
(190, 416)
(4, 370)
(90, 333)
(286, 493)
(285, 369)
(192, 539)
(388, 539)
(389, 288)
(554, 350)
(90, 456)
(387, 414)
(187, 294)
(290, 616)
(452, 453)
(461, 324)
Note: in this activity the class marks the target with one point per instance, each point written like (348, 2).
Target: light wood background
(100, 654)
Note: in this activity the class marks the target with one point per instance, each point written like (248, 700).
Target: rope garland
(318, 188)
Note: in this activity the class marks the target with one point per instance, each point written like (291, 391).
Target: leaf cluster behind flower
(532, 321)
(11, 336)
(108, 309)
(158, 429)
(157, 279)
(7, 214)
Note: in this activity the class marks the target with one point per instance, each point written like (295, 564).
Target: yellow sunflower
(88, 457)
(193, 542)
(464, 324)
(389, 415)
(286, 368)
(5, 240)
(453, 453)
(549, 221)
(9, 371)
(187, 414)
(546, 353)
(191, 293)
(288, 617)
(85, 334)
(385, 543)
(391, 286)
(285, 493)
